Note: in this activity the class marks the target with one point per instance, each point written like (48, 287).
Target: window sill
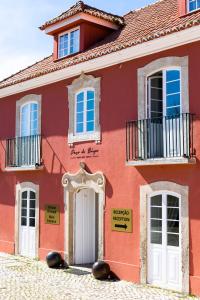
(24, 168)
(95, 136)
(162, 161)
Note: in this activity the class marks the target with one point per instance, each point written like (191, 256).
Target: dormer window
(193, 5)
(68, 43)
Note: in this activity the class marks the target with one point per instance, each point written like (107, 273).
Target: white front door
(84, 229)
(164, 241)
(27, 235)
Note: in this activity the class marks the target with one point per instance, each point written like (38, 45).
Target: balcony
(157, 141)
(23, 153)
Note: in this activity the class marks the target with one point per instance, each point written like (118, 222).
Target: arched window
(29, 119)
(85, 111)
(84, 100)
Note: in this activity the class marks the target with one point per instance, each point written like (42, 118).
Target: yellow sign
(122, 219)
(52, 215)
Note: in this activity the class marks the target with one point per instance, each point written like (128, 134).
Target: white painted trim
(148, 48)
(78, 17)
(32, 98)
(69, 40)
(73, 183)
(82, 83)
(145, 192)
(25, 168)
(19, 188)
(162, 161)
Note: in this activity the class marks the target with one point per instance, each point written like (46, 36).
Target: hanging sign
(52, 214)
(121, 219)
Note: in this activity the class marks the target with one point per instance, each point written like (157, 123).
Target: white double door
(85, 227)
(27, 220)
(164, 241)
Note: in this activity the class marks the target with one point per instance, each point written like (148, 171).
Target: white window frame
(188, 6)
(84, 111)
(84, 82)
(32, 98)
(29, 120)
(69, 35)
(164, 70)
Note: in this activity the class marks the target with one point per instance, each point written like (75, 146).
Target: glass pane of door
(173, 221)
(156, 220)
(155, 112)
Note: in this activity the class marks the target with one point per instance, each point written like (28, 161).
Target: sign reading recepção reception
(121, 220)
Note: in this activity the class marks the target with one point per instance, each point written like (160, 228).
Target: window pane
(192, 6)
(172, 75)
(173, 240)
(173, 226)
(173, 87)
(156, 238)
(156, 106)
(24, 195)
(80, 107)
(90, 104)
(90, 115)
(79, 117)
(156, 201)
(156, 225)
(90, 126)
(32, 222)
(173, 100)
(32, 213)
(173, 111)
(90, 95)
(79, 127)
(172, 201)
(63, 45)
(172, 213)
(156, 82)
(25, 120)
(80, 97)
(24, 212)
(32, 195)
(74, 41)
(156, 212)
(156, 94)
(23, 221)
(24, 203)
(32, 203)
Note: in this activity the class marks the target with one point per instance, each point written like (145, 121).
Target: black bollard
(54, 260)
(101, 270)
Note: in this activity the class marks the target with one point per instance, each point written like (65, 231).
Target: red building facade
(76, 171)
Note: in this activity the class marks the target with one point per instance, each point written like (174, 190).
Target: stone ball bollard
(101, 270)
(54, 260)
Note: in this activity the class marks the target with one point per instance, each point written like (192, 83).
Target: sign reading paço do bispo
(52, 214)
(121, 219)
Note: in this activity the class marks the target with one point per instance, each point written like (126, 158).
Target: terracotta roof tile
(151, 22)
(80, 6)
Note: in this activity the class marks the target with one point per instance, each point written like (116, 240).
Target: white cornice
(81, 16)
(160, 44)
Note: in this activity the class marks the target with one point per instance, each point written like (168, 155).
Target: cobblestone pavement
(23, 278)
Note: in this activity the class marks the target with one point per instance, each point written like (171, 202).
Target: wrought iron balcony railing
(165, 137)
(23, 151)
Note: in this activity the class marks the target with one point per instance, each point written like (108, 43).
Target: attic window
(68, 42)
(193, 5)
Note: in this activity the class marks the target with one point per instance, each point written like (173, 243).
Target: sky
(22, 43)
